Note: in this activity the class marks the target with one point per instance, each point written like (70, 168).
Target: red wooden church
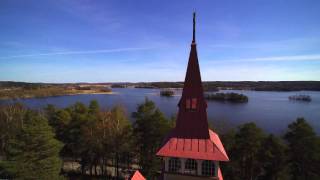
(192, 150)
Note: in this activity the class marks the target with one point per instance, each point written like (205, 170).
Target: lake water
(271, 111)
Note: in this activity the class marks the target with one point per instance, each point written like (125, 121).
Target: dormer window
(191, 104)
(188, 104)
(194, 104)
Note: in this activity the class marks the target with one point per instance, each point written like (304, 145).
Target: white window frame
(174, 165)
(208, 168)
(191, 166)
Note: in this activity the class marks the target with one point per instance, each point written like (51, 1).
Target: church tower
(191, 150)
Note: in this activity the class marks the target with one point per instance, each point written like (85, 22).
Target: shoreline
(71, 94)
(223, 89)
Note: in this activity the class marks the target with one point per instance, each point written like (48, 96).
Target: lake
(271, 111)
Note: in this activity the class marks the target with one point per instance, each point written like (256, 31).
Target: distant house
(191, 150)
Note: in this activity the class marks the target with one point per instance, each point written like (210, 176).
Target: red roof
(205, 149)
(137, 176)
(220, 174)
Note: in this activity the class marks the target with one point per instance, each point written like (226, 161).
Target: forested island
(87, 142)
(167, 93)
(300, 97)
(229, 97)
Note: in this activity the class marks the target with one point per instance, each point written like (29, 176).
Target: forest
(89, 142)
(241, 85)
(207, 85)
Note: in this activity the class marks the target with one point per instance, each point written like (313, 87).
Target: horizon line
(156, 81)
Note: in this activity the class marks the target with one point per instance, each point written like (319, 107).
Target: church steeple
(192, 150)
(192, 116)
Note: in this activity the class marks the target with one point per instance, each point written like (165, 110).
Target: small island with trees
(300, 97)
(167, 93)
(230, 97)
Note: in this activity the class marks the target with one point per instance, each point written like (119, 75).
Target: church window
(191, 166)
(194, 103)
(208, 168)
(174, 164)
(191, 104)
(188, 104)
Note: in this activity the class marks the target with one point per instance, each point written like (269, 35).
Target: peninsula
(17, 90)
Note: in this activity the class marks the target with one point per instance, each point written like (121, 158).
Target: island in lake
(300, 97)
(231, 97)
(167, 93)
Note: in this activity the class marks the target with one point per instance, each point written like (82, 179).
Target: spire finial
(194, 27)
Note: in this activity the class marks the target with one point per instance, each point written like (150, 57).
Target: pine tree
(34, 153)
(150, 128)
(121, 140)
(244, 149)
(273, 156)
(304, 151)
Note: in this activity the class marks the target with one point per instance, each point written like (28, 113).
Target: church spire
(192, 116)
(191, 139)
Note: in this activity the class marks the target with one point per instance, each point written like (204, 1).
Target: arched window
(191, 166)
(208, 168)
(174, 165)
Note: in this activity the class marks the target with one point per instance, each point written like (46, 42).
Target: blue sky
(149, 40)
